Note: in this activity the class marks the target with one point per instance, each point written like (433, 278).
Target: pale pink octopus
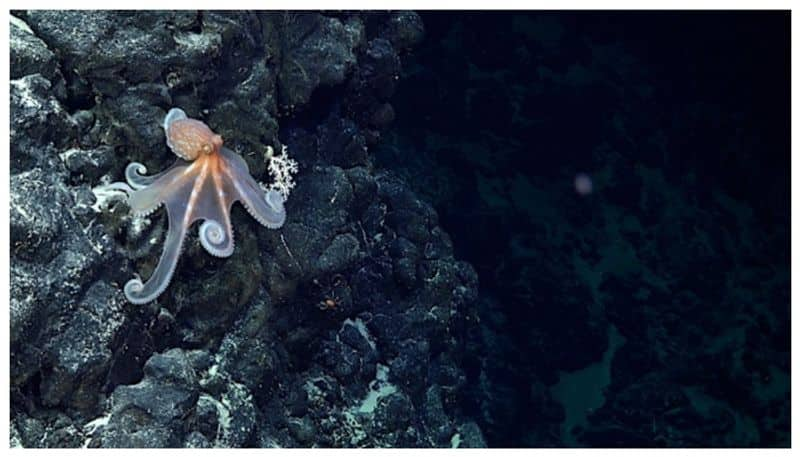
(202, 184)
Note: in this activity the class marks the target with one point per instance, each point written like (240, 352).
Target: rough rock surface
(343, 328)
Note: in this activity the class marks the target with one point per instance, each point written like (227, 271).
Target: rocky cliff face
(344, 328)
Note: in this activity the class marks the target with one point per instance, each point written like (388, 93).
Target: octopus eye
(206, 148)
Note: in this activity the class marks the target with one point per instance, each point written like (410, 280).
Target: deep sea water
(654, 310)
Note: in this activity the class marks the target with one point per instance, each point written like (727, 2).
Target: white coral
(282, 169)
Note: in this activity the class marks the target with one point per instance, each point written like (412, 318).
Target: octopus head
(189, 138)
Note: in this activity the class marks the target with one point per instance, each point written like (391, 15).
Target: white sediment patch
(362, 329)
(91, 427)
(23, 90)
(17, 22)
(105, 194)
(378, 388)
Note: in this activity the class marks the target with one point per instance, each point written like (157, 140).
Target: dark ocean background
(654, 310)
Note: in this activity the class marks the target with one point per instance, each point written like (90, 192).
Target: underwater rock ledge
(343, 328)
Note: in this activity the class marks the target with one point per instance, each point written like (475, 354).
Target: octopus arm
(266, 207)
(213, 204)
(135, 174)
(147, 199)
(140, 293)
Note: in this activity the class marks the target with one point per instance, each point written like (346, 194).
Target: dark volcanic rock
(151, 413)
(111, 50)
(30, 55)
(40, 126)
(319, 51)
(327, 332)
(63, 320)
(80, 356)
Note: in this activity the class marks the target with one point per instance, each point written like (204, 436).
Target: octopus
(203, 184)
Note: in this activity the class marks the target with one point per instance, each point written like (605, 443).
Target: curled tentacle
(134, 174)
(269, 212)
(143, 201)
(275, 201)
(216, 239)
